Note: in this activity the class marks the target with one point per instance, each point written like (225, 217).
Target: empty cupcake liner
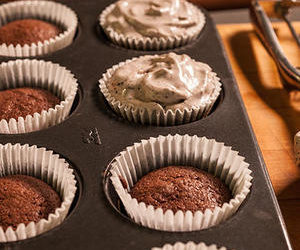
(53, 12)
(47, 166)
(38, 74)
(147, 43)
(297, 147)
(189, 246)
(140, 114)
(206, 154)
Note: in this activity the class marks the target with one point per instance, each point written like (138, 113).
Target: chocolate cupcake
(188, 246)
(32, 28)
(37, 188)
(152, 24)
(20, 102)
(180, 197)
(181, 188)
(25, 199)
(27, 31)
(163, 90)
(40, 96)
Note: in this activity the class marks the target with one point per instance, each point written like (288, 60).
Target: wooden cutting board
(274, 112)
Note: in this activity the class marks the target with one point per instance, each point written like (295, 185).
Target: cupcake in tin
(182, 188)
(25, 199)
(188, 246)
(34, 95)
(180, 183)
(20, 102)
(37, 188)
(161, 90)
(27, 31)
(33, 28)
(152, 24)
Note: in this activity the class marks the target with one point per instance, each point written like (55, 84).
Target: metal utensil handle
(266, 33)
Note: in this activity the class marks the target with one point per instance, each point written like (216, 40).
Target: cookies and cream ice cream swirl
(154, 18)
(167, 81)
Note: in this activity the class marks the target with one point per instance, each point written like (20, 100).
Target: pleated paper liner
(53, 12)
(188, 246)
(38, 74)
(200, 152)
(147, 43)
(47, 166)
(157, 117)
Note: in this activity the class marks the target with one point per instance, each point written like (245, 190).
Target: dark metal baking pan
(93, 135)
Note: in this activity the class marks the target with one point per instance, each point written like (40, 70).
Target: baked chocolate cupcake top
(21, 102)
(25, 199)
(163, 82)
(154, 18)
(27, 31)
(181, 188)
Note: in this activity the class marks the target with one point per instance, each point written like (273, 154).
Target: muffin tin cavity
(207, 155)
(42, 164)
(148, 97)
(38, 74)
(52, 12)
(189, 246)
(153, 25)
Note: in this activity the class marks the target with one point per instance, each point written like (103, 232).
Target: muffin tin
(93, 135)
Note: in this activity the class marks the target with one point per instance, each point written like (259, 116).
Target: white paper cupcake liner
(148, 43)
(44, 165)
(40, 74)
(53, 12)
(209, 155)
(297, 148)
(143, 115)
(188, 246)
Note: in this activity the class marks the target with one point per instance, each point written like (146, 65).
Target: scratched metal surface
(93, 135)
(242, 16)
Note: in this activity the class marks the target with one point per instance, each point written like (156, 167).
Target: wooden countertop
(274, 112)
